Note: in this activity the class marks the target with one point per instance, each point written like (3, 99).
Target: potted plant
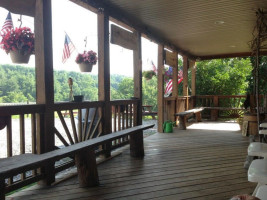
(148, 74)
(19, 43)
(86, 60)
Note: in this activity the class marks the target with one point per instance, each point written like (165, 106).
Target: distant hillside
(17, 84)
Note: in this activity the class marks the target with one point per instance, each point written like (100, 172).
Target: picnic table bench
(147, 111)
(183, 116)
(84, 157)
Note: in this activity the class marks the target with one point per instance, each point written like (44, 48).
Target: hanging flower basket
(148, 74)
(86, 67)
(16, 57)
(19, 42)
(86, 60)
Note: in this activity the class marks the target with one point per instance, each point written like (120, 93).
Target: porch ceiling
(204, 29)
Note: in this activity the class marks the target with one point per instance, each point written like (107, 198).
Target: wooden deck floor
(193, 164)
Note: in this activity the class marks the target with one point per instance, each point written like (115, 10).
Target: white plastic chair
(262, 192)
(257, 173)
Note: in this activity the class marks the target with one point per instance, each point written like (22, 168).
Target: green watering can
(168, 126)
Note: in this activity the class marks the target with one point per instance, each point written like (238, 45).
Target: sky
(80, 23)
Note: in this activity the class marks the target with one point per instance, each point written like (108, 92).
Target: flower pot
(78, 98)
(85, 67)
(16, 57)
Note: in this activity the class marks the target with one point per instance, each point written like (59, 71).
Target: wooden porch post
(193, 83)
(175, 77)
(104, 74)
(160, 88)
(185, 79)
(44, 81)
(215, 113)
(172, 109)
(136, 140)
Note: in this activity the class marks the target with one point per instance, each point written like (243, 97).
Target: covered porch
(203, 162)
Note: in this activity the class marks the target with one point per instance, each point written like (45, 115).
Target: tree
(223, 76)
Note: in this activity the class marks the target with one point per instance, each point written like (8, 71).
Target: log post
(87, 168)
(185, 80)
(104, 74)
(136, 140)
(44, 81)
(193, 83)
(160, 87)
(175, 77)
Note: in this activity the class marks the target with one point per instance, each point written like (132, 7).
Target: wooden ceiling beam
(25, 7)
(119, 15)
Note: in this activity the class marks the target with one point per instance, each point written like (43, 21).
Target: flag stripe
(68, 48)
(168, 89)
(8, 25)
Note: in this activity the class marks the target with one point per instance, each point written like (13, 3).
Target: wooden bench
(147, 111)
(183, 116)
(84, 157)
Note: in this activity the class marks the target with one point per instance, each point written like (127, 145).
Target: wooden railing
(74, 122)
(15, 125)
(229, 106)
(124, 115)
(233, 103)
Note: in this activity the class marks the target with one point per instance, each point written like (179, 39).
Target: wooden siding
(193, 164)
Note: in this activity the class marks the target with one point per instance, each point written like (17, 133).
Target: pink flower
(20, 39)
(87, 57)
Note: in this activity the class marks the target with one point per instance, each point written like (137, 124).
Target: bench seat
(12, 166)
(183, 116)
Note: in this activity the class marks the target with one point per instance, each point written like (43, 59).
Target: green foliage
(17, 84)
(150, 92)
(262, 76)
(223, 76)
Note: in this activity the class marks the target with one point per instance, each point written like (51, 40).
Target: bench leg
(87, 169)
(182, 122)
(137, 145)
(198, 117)
(2, 189)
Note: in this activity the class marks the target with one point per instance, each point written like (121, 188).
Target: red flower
(20, 39)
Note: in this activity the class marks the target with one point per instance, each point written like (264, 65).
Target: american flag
(154, 67)
(68, 48)
(8, 25)
(168, 89)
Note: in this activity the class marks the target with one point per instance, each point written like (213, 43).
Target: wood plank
(171, 58)
(123, 38)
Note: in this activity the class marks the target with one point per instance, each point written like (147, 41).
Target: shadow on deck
(203, 162)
